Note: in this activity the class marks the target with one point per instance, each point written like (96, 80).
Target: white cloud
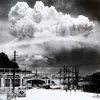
(45, 21)
(46, 35)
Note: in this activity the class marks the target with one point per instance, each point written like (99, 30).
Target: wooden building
(10, 71)
(6, 77)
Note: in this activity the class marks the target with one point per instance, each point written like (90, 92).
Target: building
(91, 83)
(38, 80)
(9, 70)
(6, 77)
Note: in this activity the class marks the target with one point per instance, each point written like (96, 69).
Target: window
(17, 82)
(7, 82)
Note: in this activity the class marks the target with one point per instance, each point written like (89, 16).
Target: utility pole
(14, 60)
(66, 80)
(69, 79)
(64, 77)
(60, 78)
(76, 75)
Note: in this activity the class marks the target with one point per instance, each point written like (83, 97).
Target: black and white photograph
(49, 49)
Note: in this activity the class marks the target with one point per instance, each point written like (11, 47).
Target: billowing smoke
(53, 37)
(41, 21)
(4, 35)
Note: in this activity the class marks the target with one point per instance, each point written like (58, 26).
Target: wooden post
(60, 78)
(14, 73)
(64, 78)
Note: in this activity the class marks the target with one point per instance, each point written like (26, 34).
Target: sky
(66, 33)
(89, 8)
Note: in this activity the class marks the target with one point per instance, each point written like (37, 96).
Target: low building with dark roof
(91, 83)
(7, 68)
